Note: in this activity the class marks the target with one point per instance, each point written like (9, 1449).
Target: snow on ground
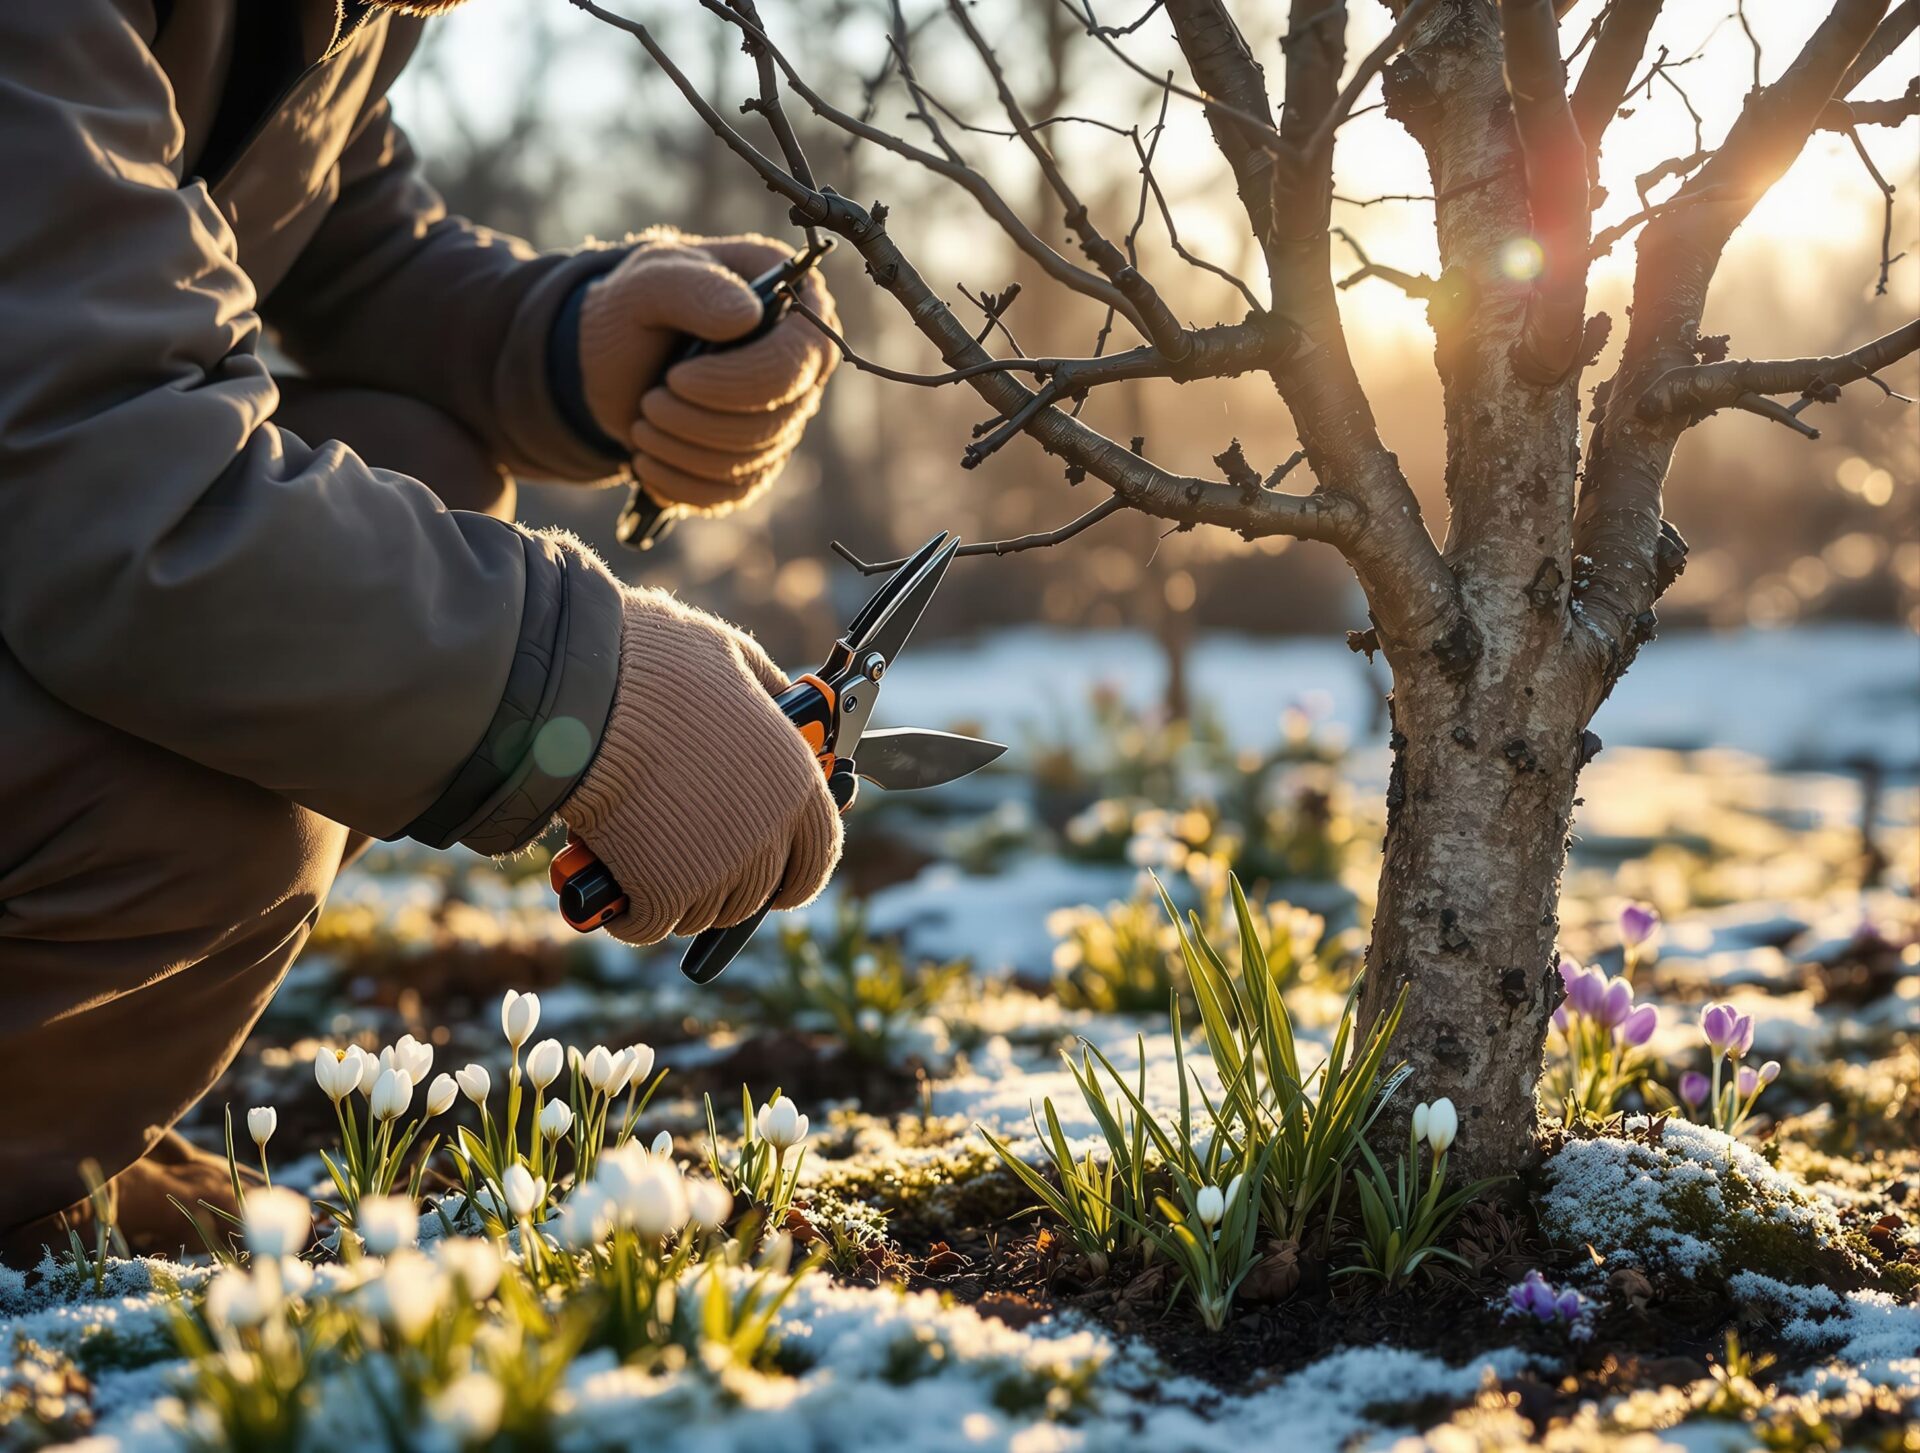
(1746, 690)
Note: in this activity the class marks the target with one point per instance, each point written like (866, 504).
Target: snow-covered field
(1716, 1292)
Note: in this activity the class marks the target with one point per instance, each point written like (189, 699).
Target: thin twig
(1111, 505)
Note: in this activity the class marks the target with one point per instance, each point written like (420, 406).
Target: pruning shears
(830, 708)
(644, 521)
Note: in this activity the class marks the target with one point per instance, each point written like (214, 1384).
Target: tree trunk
(1477, 815)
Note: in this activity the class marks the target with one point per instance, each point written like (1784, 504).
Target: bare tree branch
(1548, 348)
(1693, 392)
(1884, 41)
(1112, 504)
(1413, 284)
(1622, 40)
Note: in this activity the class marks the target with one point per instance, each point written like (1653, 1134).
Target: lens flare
(1521, 259)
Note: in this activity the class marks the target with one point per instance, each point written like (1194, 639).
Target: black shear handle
(644, 521)
(712, 950)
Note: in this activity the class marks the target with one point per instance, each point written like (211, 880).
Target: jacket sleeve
(394, 293)
(175, 565)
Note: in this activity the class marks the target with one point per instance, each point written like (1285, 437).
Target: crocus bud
(662, 1143)
(1638, 1027)
(781, 1124)
(1694, 1088)
(1747, 1082)
(1567, 1305)
(1210, 1205)
(262, 1121)
(277, 1222)
(544, 1062)
(623, 1066)
(1639, 924)
(1769, 1072)
(708, 1204)
(519, 1015)
(1443, 1123)
(642, 1063)
(524, 1190)
(1421, 1114)
(1586, 989)
(597, 1067)
(441, 1094)
(392, 1093)
(1233, 1190)
(1560, 1018)
(474, 1083)
(386, 1223)
(556, 1120)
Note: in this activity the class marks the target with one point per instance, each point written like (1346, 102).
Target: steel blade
(888, 631)
(900, 759)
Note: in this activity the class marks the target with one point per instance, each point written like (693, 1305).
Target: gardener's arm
(173, 564)
(555, 360)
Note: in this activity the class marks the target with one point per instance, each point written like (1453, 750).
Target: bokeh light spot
(563, 747)
(1521, 259)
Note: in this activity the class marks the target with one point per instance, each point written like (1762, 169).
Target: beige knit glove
(703, 800)
(716, 430)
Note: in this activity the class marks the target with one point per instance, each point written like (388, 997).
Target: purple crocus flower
(1720, 1024)
(1534, 1296)
(1638, 1027)
(1616, 1001)
(1560, 1018)
(1586, 989)
(1639, 922)
(1694, 1088)
(1747, 1082)
(1742, 1035)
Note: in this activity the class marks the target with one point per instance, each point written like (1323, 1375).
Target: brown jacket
(174, 564)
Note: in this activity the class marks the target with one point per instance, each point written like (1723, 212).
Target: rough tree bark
(1504, 638)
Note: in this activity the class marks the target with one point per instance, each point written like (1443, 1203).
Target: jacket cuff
(551, 716)
(540, 430)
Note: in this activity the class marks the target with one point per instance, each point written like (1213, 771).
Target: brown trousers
(149, 907)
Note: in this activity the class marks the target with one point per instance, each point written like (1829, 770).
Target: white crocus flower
(277, 1223)
(441, 1094)
(519, 1016)
(556, 1120)
(408, 1054)
(524, 1190)
(584, 1221)
(1443, 1124)
(544, 1062)
(406, 1296)
(656, 1199)
(1210, 1205)
(474, 1083)
(236, 1299)
(662, 1143)
(392, 1093)
(262, 1121)
(337, 1072)
(1421, 1112)
(781, 1124)
(622, 1073)
(642, 1063)
(1233, 1190)
(387, 1223)
(708, 1204)
(472, 1261)
(597, 1067)
(469, 1408)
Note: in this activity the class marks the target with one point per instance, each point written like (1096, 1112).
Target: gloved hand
(717, 429)
(703, 800)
